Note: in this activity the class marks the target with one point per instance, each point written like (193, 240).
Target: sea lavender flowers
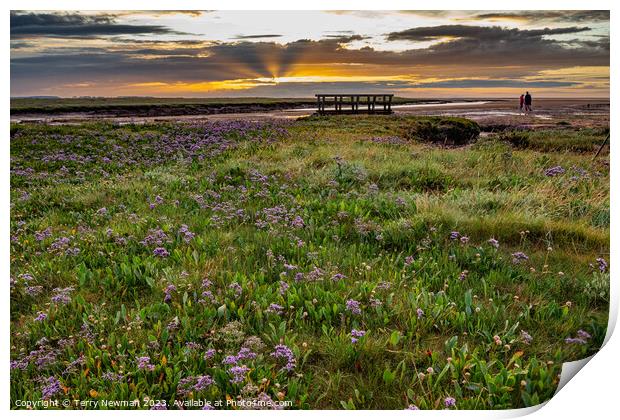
(493, 242)
(51, 388)
(193, 383)
(554, 171)
(525, 337)
(168, 292)
(419, 313)
(209, 354)
(41, 316)
(275, 308)
(186, 234)
(144, 363)
(582, 338)
(238, 373)
(62, 295)
(283, 287)
(519, 257)
(449, 402)
(283, 353)
(353, 306)
(161, 252)
(356, 335)
(602, 265)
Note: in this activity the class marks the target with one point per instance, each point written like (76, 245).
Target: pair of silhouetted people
(525, 102)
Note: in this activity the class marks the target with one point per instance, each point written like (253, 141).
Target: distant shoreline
(154, 107)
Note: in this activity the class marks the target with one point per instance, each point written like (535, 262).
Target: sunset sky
(298, 54)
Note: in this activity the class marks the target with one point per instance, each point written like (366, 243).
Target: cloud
(491, 83)
(258, 36)
(577, 16)
(475, 56)
(35, 24)
(481, 33)
(345, 39)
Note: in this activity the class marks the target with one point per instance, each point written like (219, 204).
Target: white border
(592, 393)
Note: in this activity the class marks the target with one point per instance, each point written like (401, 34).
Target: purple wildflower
(159, 405)
(238, 373)
(556, 170)
(454, 235)
(168, 292)
(26, 276)
(236, 288)
(283, 287)
(41, 316)
(419, 312)
(283, 352)
(155, 237)
(449, 402)
(527, 339)
(493, 242)
(161, 252)
(33, 290)
(246, 354)
(230, 360)
(62, 295)
(186, 233)
(356, 334)
(40, 236)
(202, 382)
(144, 363)
(583, 334)
(51, 388)
(602, 265)
(519, 257)
(112, 377)
(275, 308)
(354, 307)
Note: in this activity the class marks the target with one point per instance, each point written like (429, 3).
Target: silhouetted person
(521, 100)
(528, 102)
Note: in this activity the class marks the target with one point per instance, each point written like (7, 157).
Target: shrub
(518, 139)
(446, 130)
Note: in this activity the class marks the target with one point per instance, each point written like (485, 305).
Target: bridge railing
(354, 103)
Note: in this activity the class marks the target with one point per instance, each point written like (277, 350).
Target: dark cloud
(493, 83)
(259, 36)
(482, 33)
(345, 39)
(547, 15)
(34, 24)
(16, 45)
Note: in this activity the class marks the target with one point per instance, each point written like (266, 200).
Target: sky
(421, 54)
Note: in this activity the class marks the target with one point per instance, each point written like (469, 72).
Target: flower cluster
(282, 352)
(357, 334)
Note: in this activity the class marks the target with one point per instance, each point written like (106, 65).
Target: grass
(275, 234)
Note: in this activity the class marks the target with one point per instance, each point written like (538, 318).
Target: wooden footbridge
(354, 103)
